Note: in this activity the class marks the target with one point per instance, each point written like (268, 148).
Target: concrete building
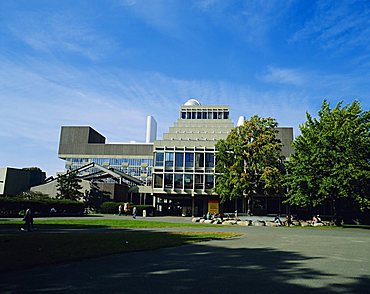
(177, 172)
(14, 181)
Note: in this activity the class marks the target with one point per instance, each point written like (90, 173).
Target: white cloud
(341, 26)
(57, 33)
(284, 76)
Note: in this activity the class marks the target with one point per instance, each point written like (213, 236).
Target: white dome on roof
(192, 102)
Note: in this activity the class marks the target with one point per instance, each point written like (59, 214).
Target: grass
(98, 223)
(24, 250)
(51, 244)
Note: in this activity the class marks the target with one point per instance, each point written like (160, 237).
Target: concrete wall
(14, 181)
(85, 142)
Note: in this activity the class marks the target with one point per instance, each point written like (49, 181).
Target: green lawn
(61, 240)
(96, 223)
(24, 250)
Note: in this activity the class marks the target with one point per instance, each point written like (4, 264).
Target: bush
(112, 208)
(11, 207)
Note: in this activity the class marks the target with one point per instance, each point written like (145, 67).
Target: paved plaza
(261, 260)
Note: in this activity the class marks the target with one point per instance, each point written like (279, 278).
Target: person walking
(28, 221)
(120, 209)
(134, 211)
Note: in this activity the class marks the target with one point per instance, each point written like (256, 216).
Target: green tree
(69, 186)
(31, 195)
(248, 162)
(332, 158)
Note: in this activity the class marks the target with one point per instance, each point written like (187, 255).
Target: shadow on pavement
(199, 268)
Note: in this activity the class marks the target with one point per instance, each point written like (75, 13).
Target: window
(169, 161)
(198, 181)
(226, 115)
(179, 161)
(210, 159)
(168, 179)
(204, 115)
(199, 160)
(189, 160)
(209, 181)
(215, 115)
(159, 156)
(193, 115)
(220, 115)
(183, 114)
(178, 181)
(188, 115)
(158, 181)
(188, 179)
(199, 115)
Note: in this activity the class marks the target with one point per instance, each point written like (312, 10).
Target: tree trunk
(250, 201)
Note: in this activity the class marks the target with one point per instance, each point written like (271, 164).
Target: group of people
(287, 222)
(210, 216)
(125, 209)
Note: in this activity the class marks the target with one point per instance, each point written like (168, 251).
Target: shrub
(11, 207)
(112, 208)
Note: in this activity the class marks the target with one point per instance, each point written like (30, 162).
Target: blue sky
(109, 64)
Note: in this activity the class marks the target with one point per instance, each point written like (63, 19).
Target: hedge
(112, 208)
(14, 207)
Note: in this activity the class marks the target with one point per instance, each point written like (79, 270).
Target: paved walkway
(262, 260)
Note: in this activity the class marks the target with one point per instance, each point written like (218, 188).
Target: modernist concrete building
(177, 172)
(14, 181)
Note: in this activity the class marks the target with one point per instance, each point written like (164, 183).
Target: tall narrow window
(179, 161)
(159, 157)
(189, 160)
(168, 181)
(188, 181)
(158, 181)
(199, 160)
(199, 181)
(169, 161)
(178, 181)
(209, 181)
(210, 160)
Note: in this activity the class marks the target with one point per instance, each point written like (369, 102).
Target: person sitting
(278, 221)
(316, 220)
(288, 220)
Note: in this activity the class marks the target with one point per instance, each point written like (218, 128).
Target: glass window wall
(199, 181)
(188, 181)
(158, 181)
(169, 160)
(210, 160)
(199, 160)
(209, 181)
(178, 181)
(159, 157)
(189, 160)
(168, 181)
(179, 161)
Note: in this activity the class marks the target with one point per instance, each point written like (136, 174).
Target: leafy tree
(68, 186)
(332, 158)
(248, 162)
(31, 195)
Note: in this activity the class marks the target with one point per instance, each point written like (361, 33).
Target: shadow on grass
(190, 269)
(364, 227)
